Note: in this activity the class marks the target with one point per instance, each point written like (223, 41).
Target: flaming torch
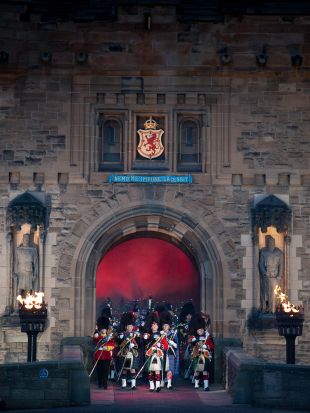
(290, 321)
(32, 315)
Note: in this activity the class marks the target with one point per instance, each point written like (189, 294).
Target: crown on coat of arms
(150, 124)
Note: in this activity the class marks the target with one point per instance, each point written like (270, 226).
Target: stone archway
(168, 222)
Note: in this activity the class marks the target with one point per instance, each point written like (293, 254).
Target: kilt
(154, 363)
(129, 362)
(173, 363)
(201, 364)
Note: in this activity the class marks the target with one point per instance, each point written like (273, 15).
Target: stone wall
(255, 129)
(44, 384)
(266, 384)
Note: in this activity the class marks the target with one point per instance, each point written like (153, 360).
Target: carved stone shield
(150, 145)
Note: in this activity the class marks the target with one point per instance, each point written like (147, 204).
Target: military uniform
(186, 313)
(156, 344)
(105, 345)
(202, 346)
(170, 359)
(128, 349)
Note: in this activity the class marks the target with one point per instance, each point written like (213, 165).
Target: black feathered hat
(151, 318)
(136, 307)
(103, 322)
(165, 318)
(160, 308)
(127, 319)
(106, 311)
(197, 322)
(169, 307)
(188, 308)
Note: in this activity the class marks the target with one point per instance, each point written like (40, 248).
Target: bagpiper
(185, 316)
(170, 359)
(104, 339)
(202, 346)
(128, 350)
(156, 344)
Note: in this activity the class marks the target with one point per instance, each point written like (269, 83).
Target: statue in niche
(26, 267)
(270, 266)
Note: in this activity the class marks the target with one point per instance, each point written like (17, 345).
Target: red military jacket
(105, 345)
(161, 343)
(203, 344)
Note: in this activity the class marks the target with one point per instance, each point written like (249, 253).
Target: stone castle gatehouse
(230, 90)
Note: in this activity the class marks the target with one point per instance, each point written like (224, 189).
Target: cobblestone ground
(182, 399)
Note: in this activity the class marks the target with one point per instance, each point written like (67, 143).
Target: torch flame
(31, 300)
(286, 306)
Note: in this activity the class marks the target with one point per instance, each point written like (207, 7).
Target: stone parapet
(274, 385)
(44, 384)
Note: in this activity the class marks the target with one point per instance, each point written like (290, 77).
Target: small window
(111, 135)
(111, 146)
(189, 136)
(189, 146)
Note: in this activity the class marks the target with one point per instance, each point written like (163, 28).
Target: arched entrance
(179, 227)
(144, 266)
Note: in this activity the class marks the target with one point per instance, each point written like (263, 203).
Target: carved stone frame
(270, 212)
(31, 208)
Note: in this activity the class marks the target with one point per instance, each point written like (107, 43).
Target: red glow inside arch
(140, 267)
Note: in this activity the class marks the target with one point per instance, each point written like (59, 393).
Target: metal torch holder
(32, 322)
(290, 326)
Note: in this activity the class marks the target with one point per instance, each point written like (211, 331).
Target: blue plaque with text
(151, 179)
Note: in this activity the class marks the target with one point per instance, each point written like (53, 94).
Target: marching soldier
(105, 344)
(156, 345)
(128, 350)
(107, 312)
(185, 316)
(170, 359)
(202, 346)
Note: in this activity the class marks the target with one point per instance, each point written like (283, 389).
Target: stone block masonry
(44, 384)
(274, 385)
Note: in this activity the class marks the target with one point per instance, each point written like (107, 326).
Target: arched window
(189, 146)
(111, 146)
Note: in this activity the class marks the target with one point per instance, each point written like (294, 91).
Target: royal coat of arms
(150, 145)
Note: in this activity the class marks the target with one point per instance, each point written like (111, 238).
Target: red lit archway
(139, 267)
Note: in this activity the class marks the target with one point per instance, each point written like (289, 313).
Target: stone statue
(271, 272)
(26, 267)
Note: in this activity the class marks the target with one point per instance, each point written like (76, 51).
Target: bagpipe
(199, 350)
(123, 351)
(151, 350)
(124, 346)
(200, 347)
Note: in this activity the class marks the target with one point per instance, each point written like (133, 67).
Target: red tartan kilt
(150, 352)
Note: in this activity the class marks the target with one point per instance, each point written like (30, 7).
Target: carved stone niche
(27, 220)
(271, 211)
(30, 207)
(271, 224)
